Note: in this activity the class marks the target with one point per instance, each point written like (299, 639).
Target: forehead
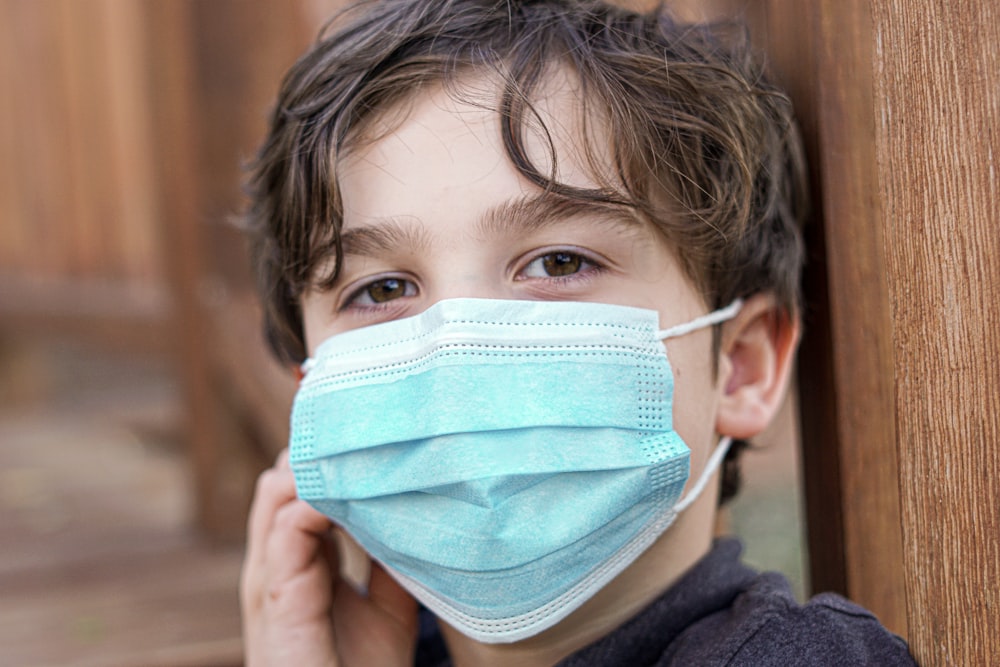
(446, 138)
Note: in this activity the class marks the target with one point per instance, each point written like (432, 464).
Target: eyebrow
(533, 212)
(384, 235)
(516, 216)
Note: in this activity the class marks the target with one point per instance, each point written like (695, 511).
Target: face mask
(504, 460)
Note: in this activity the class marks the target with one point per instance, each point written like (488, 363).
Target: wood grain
(860, 325)
(784, 30)
(76, 202)
(100, 566)
(846, 401)
(168, 27)
(134, 238)
(937, 104)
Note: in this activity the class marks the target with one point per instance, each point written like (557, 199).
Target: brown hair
(703, 146)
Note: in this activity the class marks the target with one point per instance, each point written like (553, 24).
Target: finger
(297, 538)
(282, 461)
(296, 583)
(275, 488)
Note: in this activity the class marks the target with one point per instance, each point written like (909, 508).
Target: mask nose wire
(714, 317)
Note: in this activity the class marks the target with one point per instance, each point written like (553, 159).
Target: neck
(640, 584)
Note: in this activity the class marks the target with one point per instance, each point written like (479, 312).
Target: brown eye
(386, 289)
(561, 263)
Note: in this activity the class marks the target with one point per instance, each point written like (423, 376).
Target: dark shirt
(721, 612)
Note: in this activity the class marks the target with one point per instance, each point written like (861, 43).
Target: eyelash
(351, 302)
(589, 266)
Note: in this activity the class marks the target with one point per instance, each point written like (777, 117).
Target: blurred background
(137, 402)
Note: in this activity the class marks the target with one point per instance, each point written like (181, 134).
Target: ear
(755, 361)
(297, 373)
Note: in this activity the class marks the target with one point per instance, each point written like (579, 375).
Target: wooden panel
(39, 195)
(167, 26)
(785, 30)
(10, 173)
(846, 364)
(99, 565)
(215, 70)
(76, 201)
(860, 321)
(847, 368)
(860, 324)
(900, 381)
(242, 50)
(937, 105)
(135, 239)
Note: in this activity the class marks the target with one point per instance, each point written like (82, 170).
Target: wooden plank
(845, 370)
(785, 31)
(99, 565)
(937, 106)
(133, 225)
(44, 137)
(168, 29)
(859, 321)
(76, 174)
(82, 237)
(113, 313)
(10, 171)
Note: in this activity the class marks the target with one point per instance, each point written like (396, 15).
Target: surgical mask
(503, 460)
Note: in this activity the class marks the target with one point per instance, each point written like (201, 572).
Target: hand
(297, 609)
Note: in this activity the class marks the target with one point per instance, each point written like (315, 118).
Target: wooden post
(845, 372)
(937, 92)
(900, 377)
(168, 26)
(214, 69)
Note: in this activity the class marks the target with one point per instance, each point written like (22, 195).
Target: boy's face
(435, 210)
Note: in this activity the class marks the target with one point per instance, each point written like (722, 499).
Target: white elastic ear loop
(714, 317)
(714, 461)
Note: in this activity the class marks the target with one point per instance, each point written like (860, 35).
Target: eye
(382, 291)
(556, 265)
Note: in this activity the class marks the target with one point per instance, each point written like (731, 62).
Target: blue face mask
(504, 460)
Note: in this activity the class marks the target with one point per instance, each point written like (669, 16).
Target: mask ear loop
(710, 466)
(715, 460)
(714, 317)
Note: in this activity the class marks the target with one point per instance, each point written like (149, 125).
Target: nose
(470, 276)
(470, 289)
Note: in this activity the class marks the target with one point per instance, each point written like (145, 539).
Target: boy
(538, 260)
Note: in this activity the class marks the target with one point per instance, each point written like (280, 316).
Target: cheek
(317, 315)
(695, 399)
